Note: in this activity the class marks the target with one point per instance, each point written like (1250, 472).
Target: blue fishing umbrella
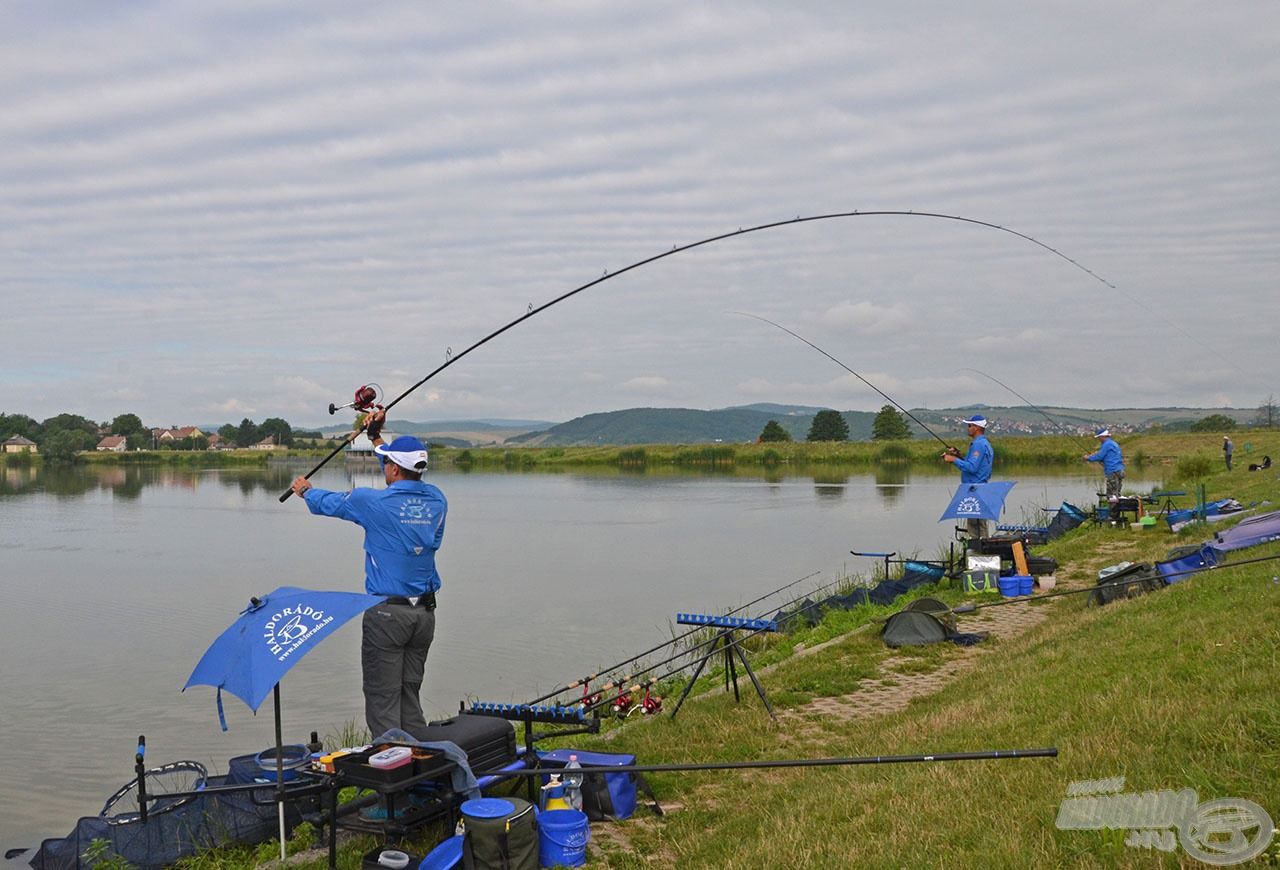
(978, 501)
(271, 635)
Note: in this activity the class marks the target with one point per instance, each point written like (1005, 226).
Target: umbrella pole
(279, 770)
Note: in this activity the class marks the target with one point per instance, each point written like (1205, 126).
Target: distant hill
(457, 433)
(681, 426)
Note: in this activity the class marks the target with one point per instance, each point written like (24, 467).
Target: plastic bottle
(573, 783)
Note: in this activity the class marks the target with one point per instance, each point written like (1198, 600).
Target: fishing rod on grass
(585, 681)
(451, 358)
(987, 755)
(855, 374)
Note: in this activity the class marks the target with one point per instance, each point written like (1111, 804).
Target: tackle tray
(357, 770)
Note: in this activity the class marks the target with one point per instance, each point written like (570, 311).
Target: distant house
(113, 444)
(361, 447)
(216, 442)
(176, 433)
(268, 443)
(18, 444)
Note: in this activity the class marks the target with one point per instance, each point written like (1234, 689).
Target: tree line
(888, 425)
(64, 435)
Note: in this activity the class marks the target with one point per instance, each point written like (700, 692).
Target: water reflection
(829, 483)
(891, 480)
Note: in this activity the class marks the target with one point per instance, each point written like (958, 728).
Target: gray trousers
(393, 656)
(976, 528)
(1114, 482)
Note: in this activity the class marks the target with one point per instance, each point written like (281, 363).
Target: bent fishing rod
(986, 755)
(451, 358)
(855, 374)
(584, 681)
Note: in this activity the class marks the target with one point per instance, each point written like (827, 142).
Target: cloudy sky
(217, 210)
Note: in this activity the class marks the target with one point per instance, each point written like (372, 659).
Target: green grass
(1172, 690)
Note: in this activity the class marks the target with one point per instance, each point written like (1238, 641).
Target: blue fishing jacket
(1109, 455)
(976, 467)
(403, 527)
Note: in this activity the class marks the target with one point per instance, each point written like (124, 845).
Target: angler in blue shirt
(403, 528)
(975, 466)
(1112, 462)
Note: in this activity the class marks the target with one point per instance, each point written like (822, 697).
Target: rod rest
(726, 621)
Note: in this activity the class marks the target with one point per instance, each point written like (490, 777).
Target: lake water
(115, 580)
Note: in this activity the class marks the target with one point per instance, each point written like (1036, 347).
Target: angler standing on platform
(1112, 462)
(403, 527)
(976, 467)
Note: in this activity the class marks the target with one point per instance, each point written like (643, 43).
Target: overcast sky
(217, 210)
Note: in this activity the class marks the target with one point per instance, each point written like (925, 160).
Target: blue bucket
(1026, 583)
(562, 838)
(1008, 586)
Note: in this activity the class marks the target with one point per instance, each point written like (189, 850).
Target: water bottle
(573, 783)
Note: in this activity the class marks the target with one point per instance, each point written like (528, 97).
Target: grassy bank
(1171, 690)
(1141, 451)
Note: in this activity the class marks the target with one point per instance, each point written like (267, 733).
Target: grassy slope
(1171, 690)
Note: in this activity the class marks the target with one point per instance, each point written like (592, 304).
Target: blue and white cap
(976, 420)
(406, 451)
(1104, 432)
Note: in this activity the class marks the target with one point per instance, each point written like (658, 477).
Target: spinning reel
(367, 398)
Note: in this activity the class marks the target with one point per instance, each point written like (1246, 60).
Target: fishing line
(852, 372)
(451, 358)
(1030, 405)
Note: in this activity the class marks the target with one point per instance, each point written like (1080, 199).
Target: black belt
(428, 601)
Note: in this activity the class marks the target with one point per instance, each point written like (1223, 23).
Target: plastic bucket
(1025, 584)
(562, 838)
(1009, 586)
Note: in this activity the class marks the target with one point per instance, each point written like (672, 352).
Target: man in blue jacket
(403, 527)
(975, 467)
(1112, 462)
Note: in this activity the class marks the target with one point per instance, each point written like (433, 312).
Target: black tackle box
(490, 742)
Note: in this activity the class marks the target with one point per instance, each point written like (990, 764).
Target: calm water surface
(116, 580)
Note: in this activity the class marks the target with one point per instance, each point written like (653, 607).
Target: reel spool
(367, 397)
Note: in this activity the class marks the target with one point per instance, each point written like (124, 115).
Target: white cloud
(867, 318)
(261, 205)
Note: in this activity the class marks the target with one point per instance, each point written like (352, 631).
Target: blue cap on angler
(406, 451)
(976, 420)
(1104, 432)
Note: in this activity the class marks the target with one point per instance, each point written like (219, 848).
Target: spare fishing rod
(599, 700)
(987, 755)
(855, 374)
(1028, 402)
(451, 358)
(728, 645)
(584, 681)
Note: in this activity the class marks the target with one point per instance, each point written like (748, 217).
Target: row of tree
(889, 425)
(65, 435)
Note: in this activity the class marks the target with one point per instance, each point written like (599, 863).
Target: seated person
(1266, 463)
